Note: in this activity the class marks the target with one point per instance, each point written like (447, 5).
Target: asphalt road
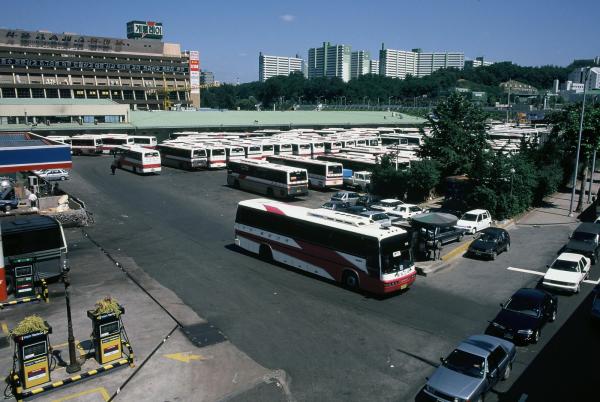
(334, 344)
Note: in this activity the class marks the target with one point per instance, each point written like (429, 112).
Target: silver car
(53, 174)
(472, 369)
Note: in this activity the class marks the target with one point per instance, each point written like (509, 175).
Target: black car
(489, 243)
(523, 316)
(585, 240)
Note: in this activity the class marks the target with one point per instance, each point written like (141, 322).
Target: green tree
(458, 135)
(422, 178)
(566, 125)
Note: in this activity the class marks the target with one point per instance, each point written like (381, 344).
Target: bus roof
(338, 220)
(17, 224)
(267, 165)
(302, 159)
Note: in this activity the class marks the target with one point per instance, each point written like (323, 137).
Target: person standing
(113, 167)
(32, 200)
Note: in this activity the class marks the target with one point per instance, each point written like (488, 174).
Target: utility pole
(585, 77)
(592, 177)
(74, 365)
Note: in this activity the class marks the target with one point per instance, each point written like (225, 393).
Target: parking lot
(334, 344)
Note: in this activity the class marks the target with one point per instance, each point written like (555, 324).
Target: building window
(37, 93)
(104, 94)
(79, 94)
(127, 94)
(9, 92)
(65, 93)
(92, 93)
(23, 93)
(51, 93)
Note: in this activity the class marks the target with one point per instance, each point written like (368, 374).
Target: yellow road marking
(101, 390)
(5, 328)
(184, 357)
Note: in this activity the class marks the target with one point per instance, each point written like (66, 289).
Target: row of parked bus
(96, 144)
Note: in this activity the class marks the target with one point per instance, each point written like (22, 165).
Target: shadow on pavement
(567, 368)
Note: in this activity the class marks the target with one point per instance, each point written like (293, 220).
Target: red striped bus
(321, 174)
(334, 245)
(137, 159)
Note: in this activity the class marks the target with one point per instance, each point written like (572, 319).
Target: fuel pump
(107, 335)
(32, 356)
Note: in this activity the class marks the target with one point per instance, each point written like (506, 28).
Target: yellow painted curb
(458, 250)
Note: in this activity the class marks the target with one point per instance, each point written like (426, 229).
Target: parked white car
(387, 205)
(567, 272)
(52, 174)
(406, 211)
(474, 221)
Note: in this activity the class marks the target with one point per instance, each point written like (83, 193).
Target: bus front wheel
(350, 280)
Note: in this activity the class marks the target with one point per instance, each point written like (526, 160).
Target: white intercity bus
(321, 174)
(86, 144)
(183, 156)
(217, 158)
(111, 141)
(144, 141)
(267, 178)
(137, 159)
(334, 245)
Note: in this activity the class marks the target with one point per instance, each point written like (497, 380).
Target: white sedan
(52, 174)
(387, 205)
(567, 272)
(406, 211)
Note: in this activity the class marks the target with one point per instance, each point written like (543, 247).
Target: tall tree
(566, 125)
(458, 135)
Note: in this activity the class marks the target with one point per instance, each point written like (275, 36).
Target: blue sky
(230, 34)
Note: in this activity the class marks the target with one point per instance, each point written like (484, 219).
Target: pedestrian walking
(32, 200)
(113, 168)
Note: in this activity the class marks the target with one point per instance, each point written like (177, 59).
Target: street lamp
(74, 365)
(512, 174)
(585, 78)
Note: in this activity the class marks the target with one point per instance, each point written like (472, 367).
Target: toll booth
(33, 357)
(107, 330)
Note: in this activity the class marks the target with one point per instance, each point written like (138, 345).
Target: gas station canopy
(23, 151)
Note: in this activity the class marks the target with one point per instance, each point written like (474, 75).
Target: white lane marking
(527, 271)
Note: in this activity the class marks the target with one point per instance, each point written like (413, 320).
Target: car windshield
(469, 217)
(488, 237)
(524, 306)
(564, 265)
(395, 255)
(379, 217)
(338, 195)
(465, 363)
(415, 209)
(390, 203)
(584, 236)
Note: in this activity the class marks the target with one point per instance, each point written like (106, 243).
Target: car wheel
(63, 178)
(536, 336)
(553, 316)
(7, 208)
(460, 237)
(507, 371)
(236, 184)
(494, 255)
(473, 231)
(350, 280)
(507, 247)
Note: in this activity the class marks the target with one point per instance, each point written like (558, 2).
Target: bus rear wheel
(265, 253)
(350, 280)
(236, 184)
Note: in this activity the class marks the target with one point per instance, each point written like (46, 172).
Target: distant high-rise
(397, 63)
(360, 63)
(400, 63)
(593, 77)
(428, 62)
(330, 61)
(271, 66)
(207, 77)
(374, 67)
(478, 62)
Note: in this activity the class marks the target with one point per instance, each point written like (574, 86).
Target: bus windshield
(151, 155)
(298, 176)
(395, 254)
(335, 169)
(199, 153)
(218, 152)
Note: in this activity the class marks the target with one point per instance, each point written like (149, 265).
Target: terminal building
(140, 71)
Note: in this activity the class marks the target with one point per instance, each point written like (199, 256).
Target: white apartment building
(271, 66)
(397, 63)
(374, 67)
(360, 63)
(593, 80)
(400, 63)
(330, 61)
